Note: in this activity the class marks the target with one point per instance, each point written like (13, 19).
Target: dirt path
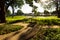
(2, 23)
(21, 24)
(16, 35)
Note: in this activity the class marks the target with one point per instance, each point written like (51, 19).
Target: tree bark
(12, 11)
(57, 9)
(2, 12)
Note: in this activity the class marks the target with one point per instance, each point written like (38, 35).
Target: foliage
(14, 3)
(35, 10)
(8, 13)
(19, 12)
(4, 29)
(30, 2)
(46, 12)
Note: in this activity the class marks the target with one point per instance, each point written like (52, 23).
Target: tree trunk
(2, 12)
(12, 11)
(57, 9)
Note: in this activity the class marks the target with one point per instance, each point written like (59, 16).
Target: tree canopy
(15, 3)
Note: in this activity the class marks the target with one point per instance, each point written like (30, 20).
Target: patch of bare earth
(53, 26)
(2, 23)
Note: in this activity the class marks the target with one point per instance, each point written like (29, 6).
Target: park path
(29, 31)
(15, 34)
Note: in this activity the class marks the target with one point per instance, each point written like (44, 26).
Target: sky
(27, 9)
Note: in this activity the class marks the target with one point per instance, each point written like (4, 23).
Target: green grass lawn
(49, 17)
(50, 20)
(10, 19)
(23, 17)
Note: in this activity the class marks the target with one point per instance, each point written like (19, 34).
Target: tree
(2, 11)
(19, 12)
(30, 2)
(46, 12)
(16, 3)
(4, 4)
(51, 4)
(57, 3)
(34, 10)
(8, 13)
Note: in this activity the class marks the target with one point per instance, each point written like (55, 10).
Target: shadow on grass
(30, 33)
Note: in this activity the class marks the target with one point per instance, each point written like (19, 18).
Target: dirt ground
(16, 35)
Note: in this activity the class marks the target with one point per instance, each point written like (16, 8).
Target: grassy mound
(4, 29)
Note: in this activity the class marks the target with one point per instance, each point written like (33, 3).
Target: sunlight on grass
(9, 19)
(49, 17)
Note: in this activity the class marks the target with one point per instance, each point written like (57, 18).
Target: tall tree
(2, 11)
(8, 13)
(4, 4)
(52, 3)
(30, 2)
(57, 3)
(34, 10)
(15, 3)
(46, 13)
(19, 12)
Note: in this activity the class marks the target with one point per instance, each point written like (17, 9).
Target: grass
(43, 34)
(50, 20)
(47, 34)
(10, 19)
(4, 29)
(49, 17)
